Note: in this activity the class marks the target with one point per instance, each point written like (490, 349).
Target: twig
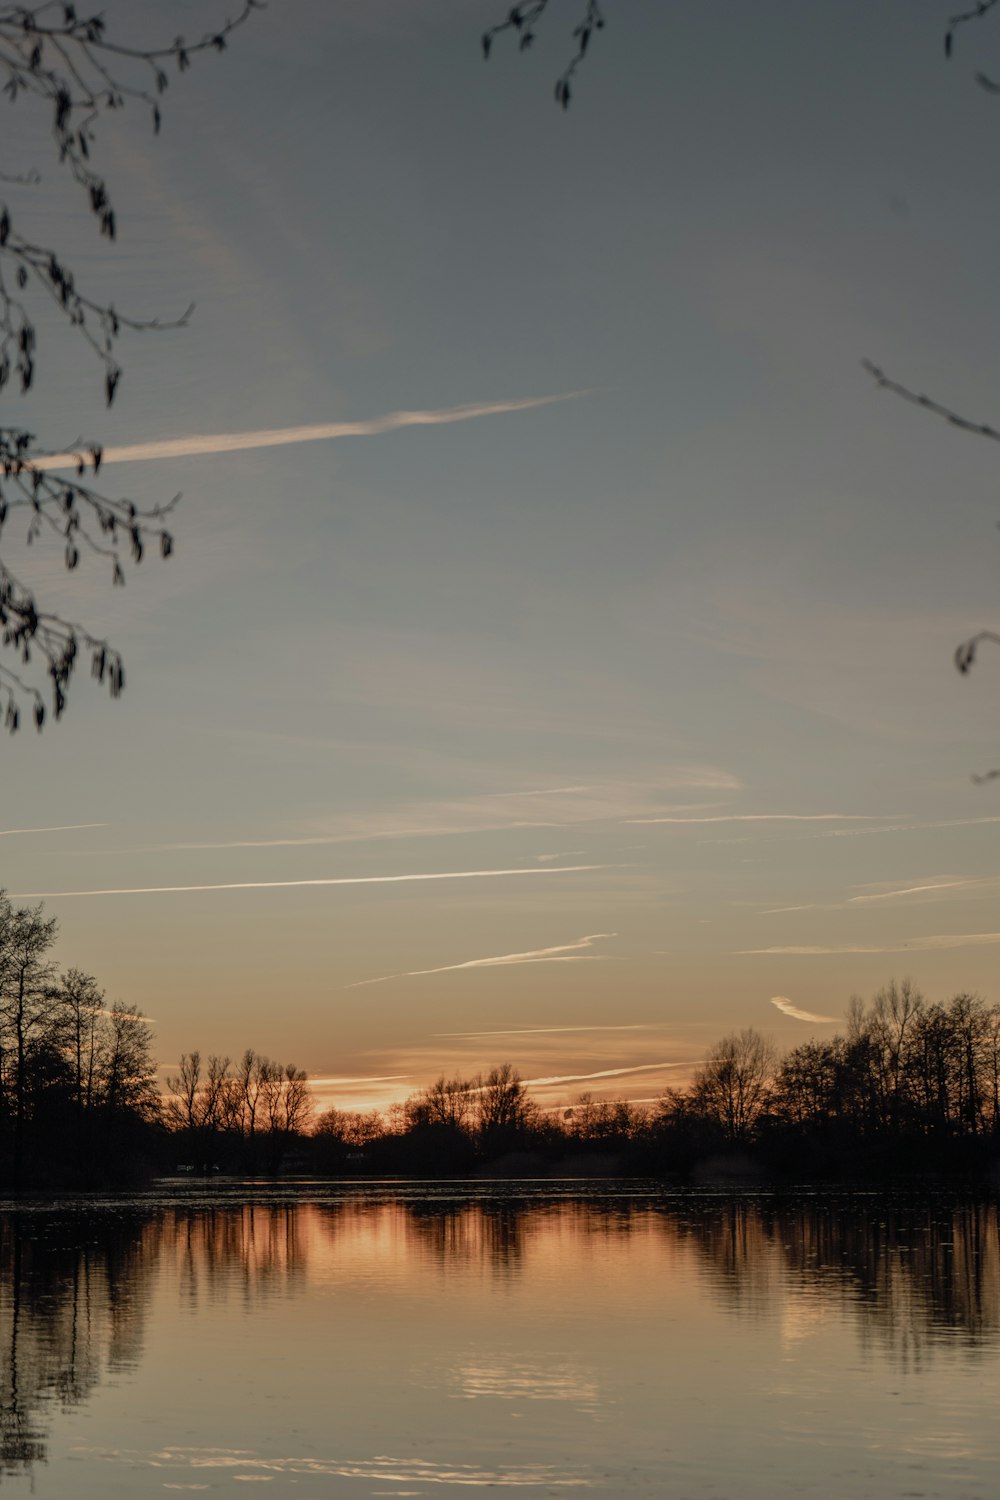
(979, 429)
(522, 19)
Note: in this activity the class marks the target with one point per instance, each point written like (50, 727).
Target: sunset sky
(555, 663)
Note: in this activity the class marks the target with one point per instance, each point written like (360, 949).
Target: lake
(400, 1339)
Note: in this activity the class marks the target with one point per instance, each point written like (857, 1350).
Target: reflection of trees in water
(920, 1273)
(452, 1234)
(74, 1289)
(255, 1249)
(72, 1298)
(500, 1234)
(908, 1272)
(463, 1236)
(74, 1292)
(736, 1246)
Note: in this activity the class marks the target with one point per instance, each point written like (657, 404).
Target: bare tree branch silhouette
(522, 21)
(67, 63)
(524, 18)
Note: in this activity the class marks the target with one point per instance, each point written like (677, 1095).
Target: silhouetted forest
(908, 1087)
(78, 1095)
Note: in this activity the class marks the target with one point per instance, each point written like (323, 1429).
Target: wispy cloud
(536, 1031)
(561, 953)
(546, 791)
(910, 890)
(955, 940)
(199, 445)
(603, 1073)
(274, 885)
(840, 833)
(910, 945)
(803, 951)
(560, 805)
(788, 1008)
(318, 839)
(699, 778)
(486, 812)
(680, 807)
(6, 833)
(349, 1080)
(763, 818)
(774, 911)
(885, 891)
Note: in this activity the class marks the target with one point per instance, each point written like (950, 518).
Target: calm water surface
(406, 1340)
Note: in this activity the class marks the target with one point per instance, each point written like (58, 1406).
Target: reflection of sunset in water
(409, 1336)
(514, 1380)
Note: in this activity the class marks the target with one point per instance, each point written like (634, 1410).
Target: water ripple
(383, 1466)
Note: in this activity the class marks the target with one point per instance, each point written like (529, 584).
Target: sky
(555, 661)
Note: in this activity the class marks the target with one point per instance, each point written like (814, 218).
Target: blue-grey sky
(675, 651)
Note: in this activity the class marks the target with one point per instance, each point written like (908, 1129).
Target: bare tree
(808, 1084)
(352, 1128)
(183, 1108)
(245, 1115)
(248, 1083)
(447, 1101)
(29, 1000)
(214, 1090)
(298, 1100)
(127, 1075)
(503, 1105)
(82, 1001)
(733, 1085)
(603, 1120)
(888, 1028)
(77, 1083)
(66, 64)
(271, 1076)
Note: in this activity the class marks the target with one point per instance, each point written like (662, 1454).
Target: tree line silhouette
(78, 1095)
(250, 1115)
(907, 1086)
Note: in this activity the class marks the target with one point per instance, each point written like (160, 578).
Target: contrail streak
(197, 446)
(540, 1030)
(910, 890)
(346, 1080)
(910, 945)
(765, 818)
(604, 1073)
(545, 791)
(274, 885)
(5, 833)
(561, 953)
